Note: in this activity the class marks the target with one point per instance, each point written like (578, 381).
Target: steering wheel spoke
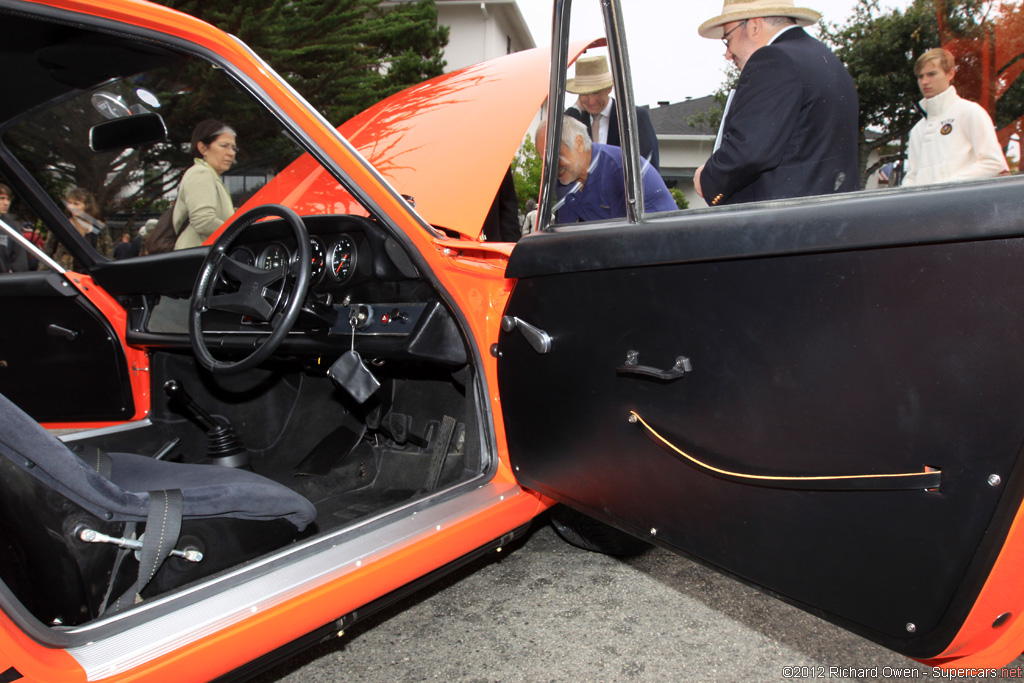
(274, 296)
(252, 304)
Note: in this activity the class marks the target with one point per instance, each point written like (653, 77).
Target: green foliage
(879, 50)
(342, 55)
(526, 169)
(681, 201)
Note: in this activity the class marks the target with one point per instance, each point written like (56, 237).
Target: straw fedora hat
(592, 75)
(738, 10)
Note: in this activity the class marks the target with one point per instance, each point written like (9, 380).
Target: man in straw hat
(593, 84)
(791, 127)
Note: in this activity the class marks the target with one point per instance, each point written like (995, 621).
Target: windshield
(112, 154)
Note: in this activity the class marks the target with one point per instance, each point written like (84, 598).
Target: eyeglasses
(725, 36)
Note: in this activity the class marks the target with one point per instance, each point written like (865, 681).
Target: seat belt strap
(163, 525)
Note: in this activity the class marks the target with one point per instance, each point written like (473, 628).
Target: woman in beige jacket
(203, 202)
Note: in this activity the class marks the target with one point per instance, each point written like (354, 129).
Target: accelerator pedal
(437, 458)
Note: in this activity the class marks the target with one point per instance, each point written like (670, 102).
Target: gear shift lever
(222, 444)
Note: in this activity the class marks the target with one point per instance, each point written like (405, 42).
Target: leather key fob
(351, 374)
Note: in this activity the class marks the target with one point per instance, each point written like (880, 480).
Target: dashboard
(359, 274)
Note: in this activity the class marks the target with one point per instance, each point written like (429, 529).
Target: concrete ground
(547, 611)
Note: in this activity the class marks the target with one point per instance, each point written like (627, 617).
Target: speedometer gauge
(273, 256)
(341, 259)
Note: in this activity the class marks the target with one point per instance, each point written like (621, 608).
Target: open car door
(61, 356)
(822, 397)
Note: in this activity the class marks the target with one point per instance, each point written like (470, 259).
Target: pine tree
(341, 55)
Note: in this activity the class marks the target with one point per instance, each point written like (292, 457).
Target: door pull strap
(929, 479)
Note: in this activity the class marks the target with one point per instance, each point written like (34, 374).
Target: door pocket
(930, 478)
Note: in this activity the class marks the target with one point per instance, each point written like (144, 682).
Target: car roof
(43, 61)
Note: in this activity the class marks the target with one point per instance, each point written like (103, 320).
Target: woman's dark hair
(87, 198)
(206, 132)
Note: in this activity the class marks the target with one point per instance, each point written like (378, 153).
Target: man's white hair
(571, 128)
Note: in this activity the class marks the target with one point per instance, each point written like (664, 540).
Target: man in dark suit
(791, 127)
(593, 84)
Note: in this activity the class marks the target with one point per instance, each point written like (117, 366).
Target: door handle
(538, 338)
(631, 366)
(58, 331)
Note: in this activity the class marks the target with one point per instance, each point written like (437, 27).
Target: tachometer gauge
(273, 256)
(319, 257)
(341, 259)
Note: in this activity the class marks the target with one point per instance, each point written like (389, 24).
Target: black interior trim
(987, 209)
(171, 273)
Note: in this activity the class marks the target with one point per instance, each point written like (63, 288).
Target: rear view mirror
(127, 132)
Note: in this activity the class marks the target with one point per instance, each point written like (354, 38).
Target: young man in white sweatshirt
(955, 140)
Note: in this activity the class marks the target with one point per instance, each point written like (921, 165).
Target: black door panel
(822, 224)
(60, 360)
(864, 361)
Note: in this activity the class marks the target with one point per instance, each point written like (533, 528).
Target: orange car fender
(994, 630)
(33, 661)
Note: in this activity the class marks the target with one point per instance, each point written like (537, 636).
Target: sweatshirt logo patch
(947, 127)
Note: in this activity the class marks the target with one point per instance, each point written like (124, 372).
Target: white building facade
(480, 30)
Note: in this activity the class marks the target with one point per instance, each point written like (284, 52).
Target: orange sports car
(214, 454)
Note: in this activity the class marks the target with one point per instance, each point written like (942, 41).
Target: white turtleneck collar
(935, 106)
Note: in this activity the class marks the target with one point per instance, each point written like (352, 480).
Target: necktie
(595, 128)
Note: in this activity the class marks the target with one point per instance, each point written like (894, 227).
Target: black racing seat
(49, 497)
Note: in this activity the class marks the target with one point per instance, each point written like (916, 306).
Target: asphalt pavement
(547, 611)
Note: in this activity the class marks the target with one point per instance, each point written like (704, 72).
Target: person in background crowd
(955, 140)
(13, 257)
(502, 221)
(791, 127)
(590, 178)
(123, 249)
(595, 108)
(82, 212)
(530, 220)
(203, 203)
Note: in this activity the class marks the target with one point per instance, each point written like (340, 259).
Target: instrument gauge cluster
(333, 257)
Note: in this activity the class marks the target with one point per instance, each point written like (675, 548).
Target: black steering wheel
(273, 296)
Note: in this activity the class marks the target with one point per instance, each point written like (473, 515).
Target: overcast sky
(669, 61)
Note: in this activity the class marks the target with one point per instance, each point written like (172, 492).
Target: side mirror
(127, 132)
